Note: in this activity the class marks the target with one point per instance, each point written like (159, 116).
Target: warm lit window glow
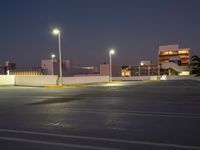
(126, 72)
(184, 56)
(170, 52)
(183, 52)
(183, 73)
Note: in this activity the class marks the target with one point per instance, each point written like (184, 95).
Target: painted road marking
(140, 113)
(91, 138)
(55, 143)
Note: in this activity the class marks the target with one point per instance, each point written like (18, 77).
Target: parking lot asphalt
(134, 115)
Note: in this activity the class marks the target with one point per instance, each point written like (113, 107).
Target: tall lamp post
(111, 52)
(52, 57)
(57, 32)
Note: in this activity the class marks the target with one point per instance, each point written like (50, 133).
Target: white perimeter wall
(187, 77)
(53, 80)
(7, 79)
(36, 80)
(175, 77)
(131, 78)
(49, 80)
(85, 79)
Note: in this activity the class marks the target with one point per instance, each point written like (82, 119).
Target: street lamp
(52, 57)
(57, 32)
(111, 52)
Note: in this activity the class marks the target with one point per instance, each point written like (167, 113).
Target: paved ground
(124, 115)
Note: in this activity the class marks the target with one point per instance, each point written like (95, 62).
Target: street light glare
(112, 51)
(56, 31)
(53, 56)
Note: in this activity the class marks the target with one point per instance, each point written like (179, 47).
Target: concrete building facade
(104, 69)
(172, 53)
(174, 60)
(52, 67)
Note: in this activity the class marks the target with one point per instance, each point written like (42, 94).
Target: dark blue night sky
(91, 27)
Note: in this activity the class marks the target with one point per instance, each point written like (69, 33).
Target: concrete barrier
(42, 80)
(85, 79)
(186, 77)
(45, 80)
(133, 78)
(154, 78)
(7, 79)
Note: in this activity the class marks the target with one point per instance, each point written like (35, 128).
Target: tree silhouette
(195, 65)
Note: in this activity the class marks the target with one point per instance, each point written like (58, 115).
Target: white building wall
(104, 69)
(169, 47)
(47, 66)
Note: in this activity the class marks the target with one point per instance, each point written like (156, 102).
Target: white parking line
(55, 143)
(141, 113)
(90, 138)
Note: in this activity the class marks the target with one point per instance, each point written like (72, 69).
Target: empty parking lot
(142, 115)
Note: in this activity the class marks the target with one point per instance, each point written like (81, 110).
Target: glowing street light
(111, 52)
(52, 57)
(57, 32)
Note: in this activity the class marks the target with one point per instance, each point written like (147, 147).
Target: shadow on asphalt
(57, 100)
